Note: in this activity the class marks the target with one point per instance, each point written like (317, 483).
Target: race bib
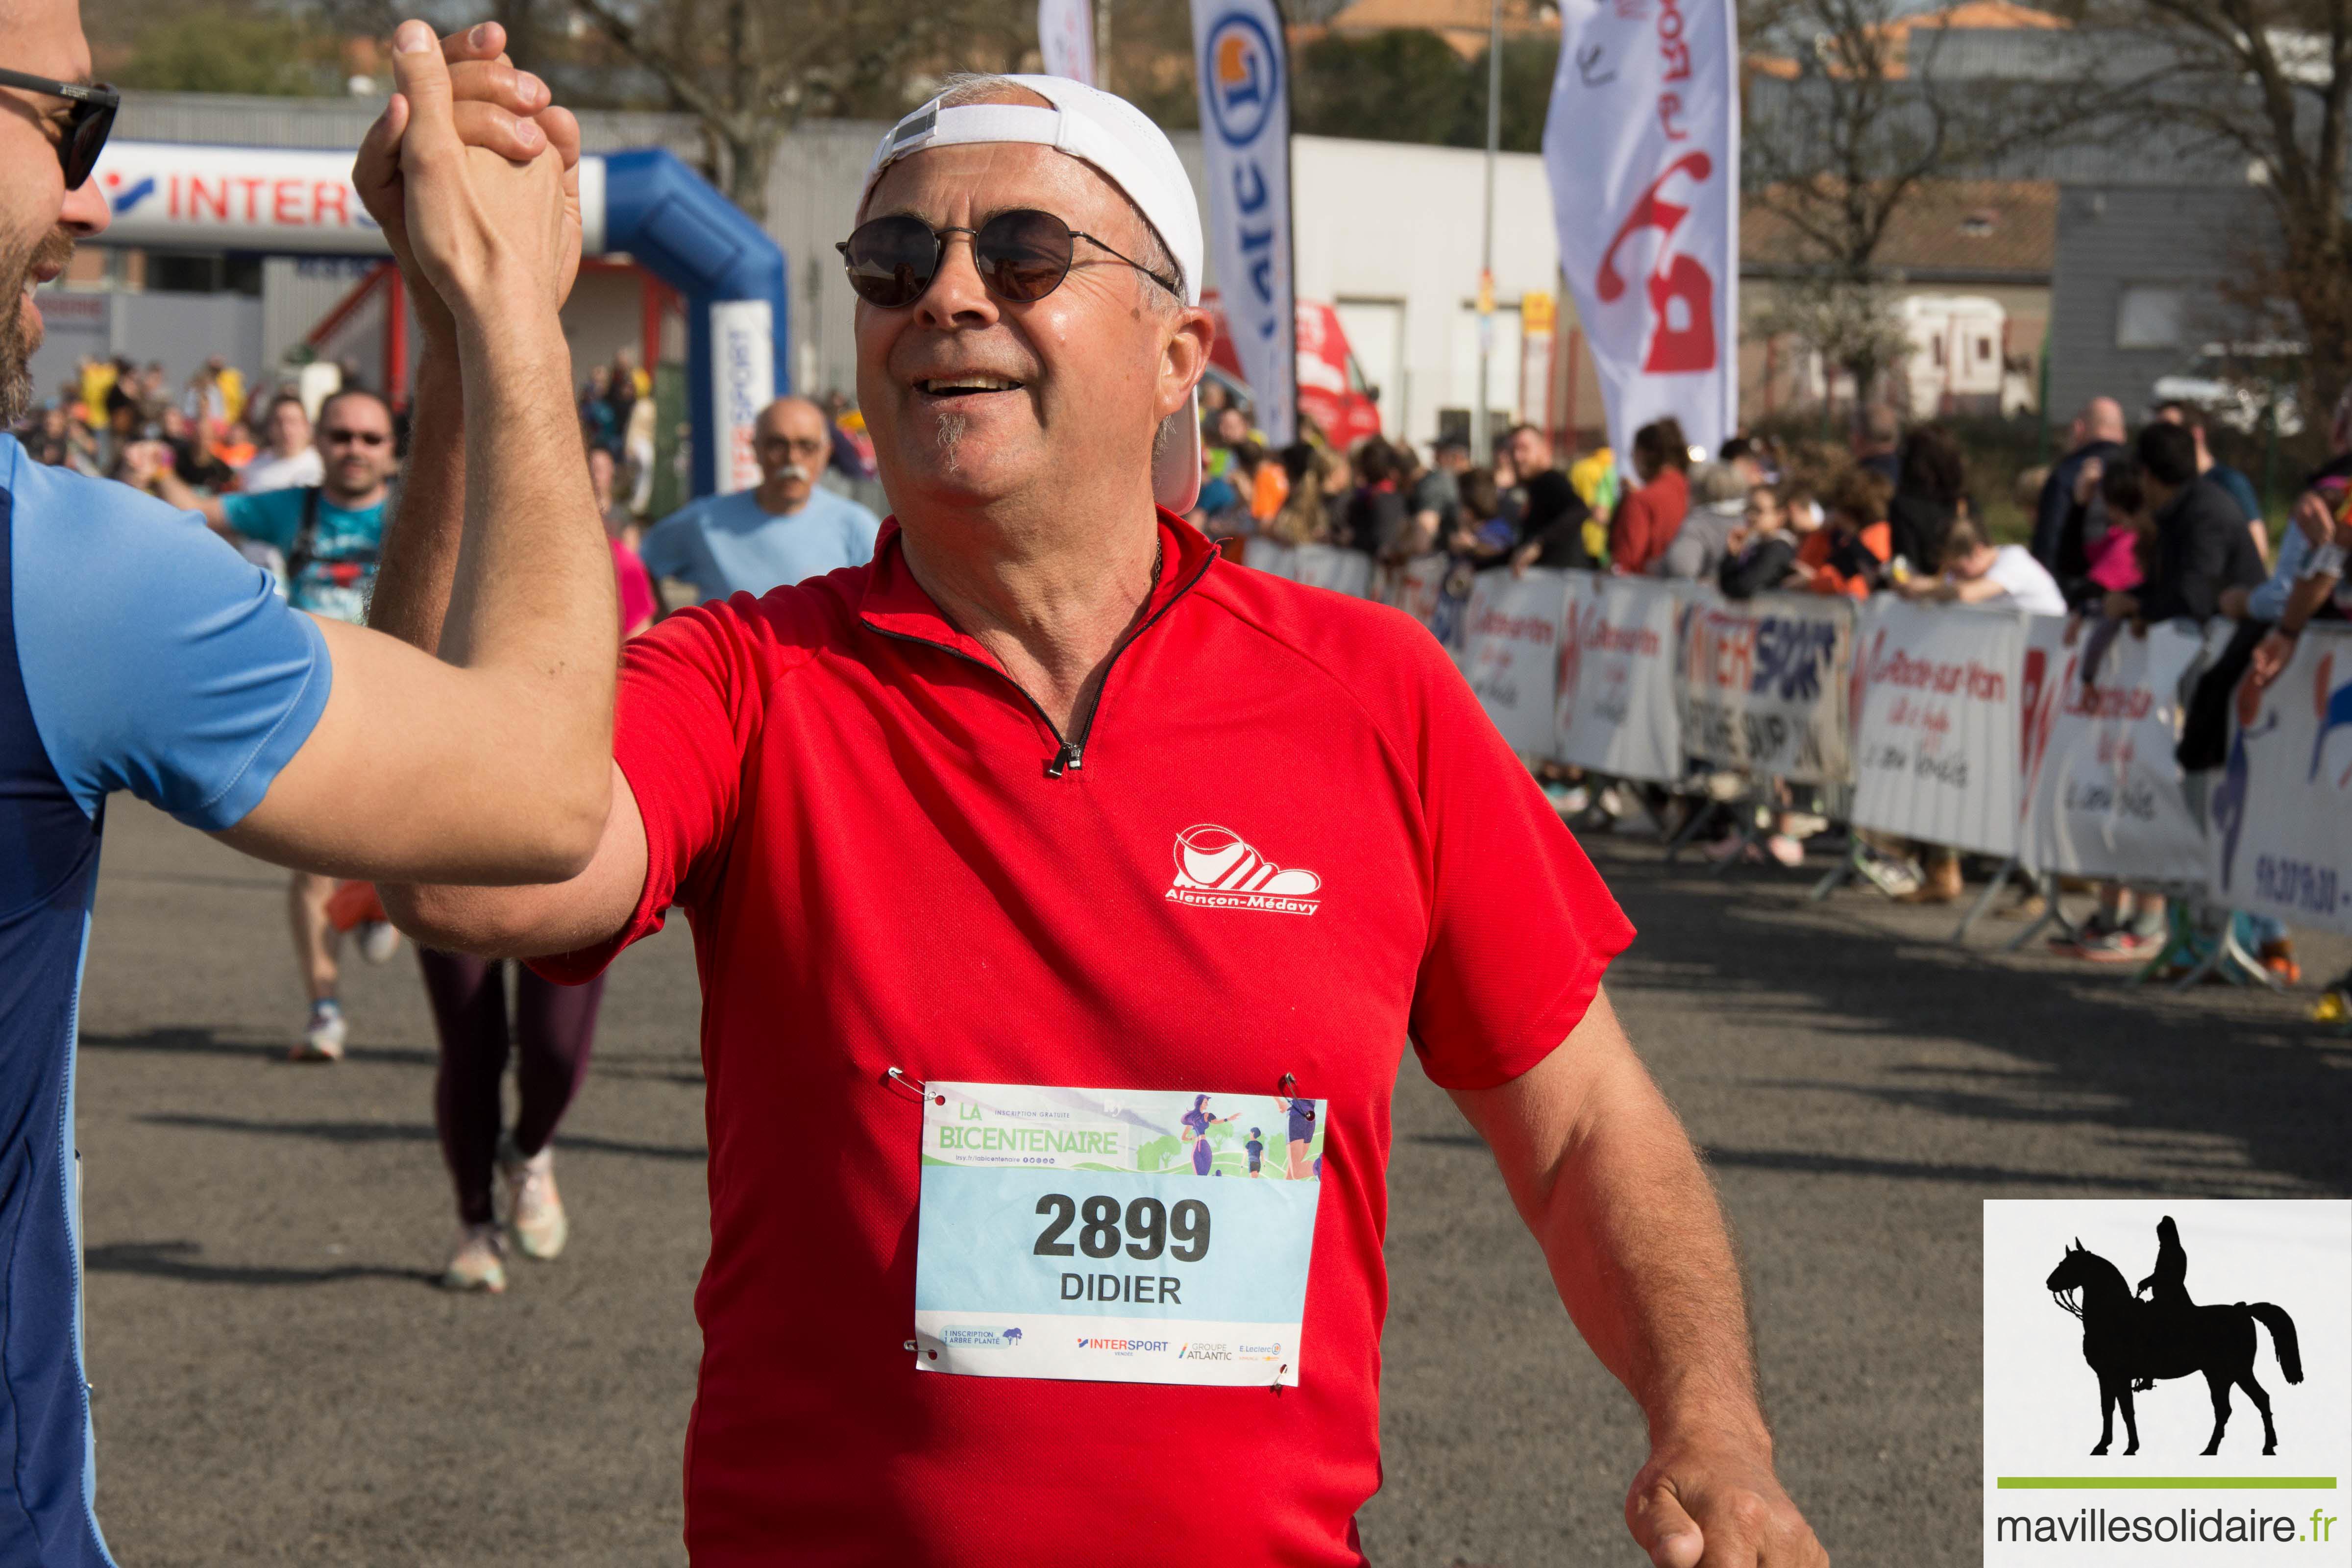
(1116, 1236)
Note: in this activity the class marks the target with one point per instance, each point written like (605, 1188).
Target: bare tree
(750, 69)
(2269, 82)
(1851, 105)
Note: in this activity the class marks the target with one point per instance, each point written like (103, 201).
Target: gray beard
(952, 428)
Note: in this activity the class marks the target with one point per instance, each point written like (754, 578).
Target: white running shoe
(379, 941)
(322, 1036)
(534, 1208)
(479, 1263)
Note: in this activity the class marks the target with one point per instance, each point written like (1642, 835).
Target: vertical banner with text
(1066, 38)
(1642, 148)
(743, 383)
(1243, 67)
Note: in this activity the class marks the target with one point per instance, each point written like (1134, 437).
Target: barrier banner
(1262, 554)
(1347, 572)
(1617, 711)
(1764, 685)
(2103, 796)
(1935, 716)
(1509, 652)
(2281, 812)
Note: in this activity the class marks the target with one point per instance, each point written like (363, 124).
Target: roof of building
(1969, 16)
(1461, 23)
(1956, 229)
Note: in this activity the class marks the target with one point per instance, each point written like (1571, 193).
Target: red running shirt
(861, 816)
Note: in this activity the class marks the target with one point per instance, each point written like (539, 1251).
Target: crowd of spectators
(2136, 527)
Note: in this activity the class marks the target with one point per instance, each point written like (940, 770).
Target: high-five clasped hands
(473, 174)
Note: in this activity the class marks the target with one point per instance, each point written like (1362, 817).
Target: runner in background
(289, 460)
(330, 534)
(553, 1030)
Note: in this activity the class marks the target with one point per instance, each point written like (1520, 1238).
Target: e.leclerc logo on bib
(1243, 78)
(1216, 869)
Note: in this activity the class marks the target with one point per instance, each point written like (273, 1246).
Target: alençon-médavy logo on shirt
(1216, 869)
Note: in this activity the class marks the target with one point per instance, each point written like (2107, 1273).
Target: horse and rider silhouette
(2131, 1343)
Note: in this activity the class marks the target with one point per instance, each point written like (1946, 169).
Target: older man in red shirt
(1005, 904)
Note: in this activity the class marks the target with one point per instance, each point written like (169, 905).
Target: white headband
(1087, 123)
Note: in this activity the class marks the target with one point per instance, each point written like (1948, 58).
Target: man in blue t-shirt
(788, 529)
(330, 535)
(139, 654)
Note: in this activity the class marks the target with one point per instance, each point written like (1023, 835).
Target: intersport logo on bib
(1217, 869)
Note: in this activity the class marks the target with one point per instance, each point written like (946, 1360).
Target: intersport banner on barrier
(2281, 812)
(1510, 653)
(1616, 708)
(1763, 685)
(1935, 712)
(2103, 796)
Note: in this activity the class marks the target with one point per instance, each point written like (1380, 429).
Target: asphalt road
(278, 1381)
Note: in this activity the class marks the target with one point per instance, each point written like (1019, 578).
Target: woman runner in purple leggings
(554, 1027)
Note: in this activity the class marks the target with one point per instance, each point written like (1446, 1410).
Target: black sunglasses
(87, 127)
(1021, 256)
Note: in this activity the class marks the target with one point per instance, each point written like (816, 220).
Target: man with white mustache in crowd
(787, 530)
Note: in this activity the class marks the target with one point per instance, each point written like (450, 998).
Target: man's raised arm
(492, 761)
(1604, 1176)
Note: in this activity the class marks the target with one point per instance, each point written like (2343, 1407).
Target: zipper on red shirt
(1069, 751)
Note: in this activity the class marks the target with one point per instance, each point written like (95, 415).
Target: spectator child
(1761, 551)
(2118, 562)
(1849, 553)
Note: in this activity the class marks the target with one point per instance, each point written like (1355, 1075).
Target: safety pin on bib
(915, 1085)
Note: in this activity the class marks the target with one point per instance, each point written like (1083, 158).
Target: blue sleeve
(2268, 603)
(666, 545)
(272, 517)
(154, 657)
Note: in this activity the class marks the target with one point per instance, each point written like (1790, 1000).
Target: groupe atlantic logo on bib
(1216, 869)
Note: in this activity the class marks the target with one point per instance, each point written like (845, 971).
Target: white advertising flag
(1243, 71)
(1642, 148)
(1066, 38)
(743, 383)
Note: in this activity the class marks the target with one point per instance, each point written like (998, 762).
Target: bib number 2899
(1181, 1232)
